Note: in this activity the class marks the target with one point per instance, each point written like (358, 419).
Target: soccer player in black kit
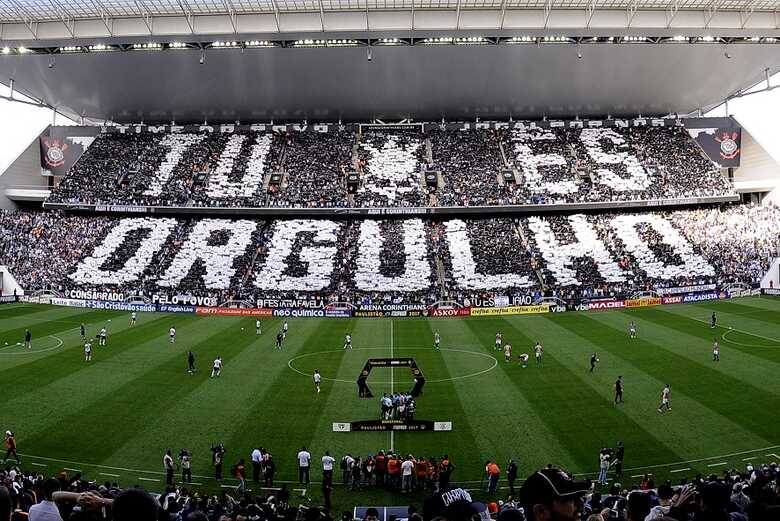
(27, 339)
(191, 362)
(713, 319)
(619, 390)
(83, 332)
(279, 338)
(594, 359)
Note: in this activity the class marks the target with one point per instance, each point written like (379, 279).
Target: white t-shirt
(87, 347)
(173, 331)
(217, 364)
(327, 462)
(133, 315)
(257, 324)
(45, 511)
(284, 327)
(407, 467)
(103, 332)
(304, 458)
(317, 378)
(257, 456)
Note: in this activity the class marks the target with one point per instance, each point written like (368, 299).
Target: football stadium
(452, 260)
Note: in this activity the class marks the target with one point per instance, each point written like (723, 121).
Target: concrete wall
(24, 171)
(758, 171)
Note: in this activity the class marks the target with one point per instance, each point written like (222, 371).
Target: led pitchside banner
(119, 306)
(722, 145)
(643, 302)
(61, 147)
(596, 305)
(234, 312)
(512, 310)
(771, 291)
(174, 308)
(450, 312)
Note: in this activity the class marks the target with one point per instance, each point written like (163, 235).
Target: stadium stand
(564, 256)
(749, 494)
(545, 166)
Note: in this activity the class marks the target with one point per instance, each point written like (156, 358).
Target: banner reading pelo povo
(512, 310)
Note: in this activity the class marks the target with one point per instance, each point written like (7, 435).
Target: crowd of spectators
(311, 168)
(610, 164)
(389, 262)
(750, 494)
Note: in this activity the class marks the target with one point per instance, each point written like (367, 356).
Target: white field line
(729, 328)
(149, 479)
(680, 470)
(718, 464)
(109, 474)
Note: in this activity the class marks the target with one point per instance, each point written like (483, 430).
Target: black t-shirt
(27, 336)
(593, 360)
(619, 386)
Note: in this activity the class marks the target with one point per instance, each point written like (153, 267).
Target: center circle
(730, 331)
(491, 363)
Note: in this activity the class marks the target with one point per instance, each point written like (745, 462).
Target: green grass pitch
(113, 418)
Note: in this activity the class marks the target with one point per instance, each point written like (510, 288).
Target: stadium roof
(362, 59)
(42, 19)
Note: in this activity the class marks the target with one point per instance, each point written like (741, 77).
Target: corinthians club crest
(728, 144)
(55, 153)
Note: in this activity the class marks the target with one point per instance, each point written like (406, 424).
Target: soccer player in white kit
(258, 328)
(436, 340)
(507, 352)
(217, 369)
(87, 352)
(317, 379)
(715, 351)
(347, 342)
(632, 330)
(524, 360)
(172, 333)
(133, 318)
(285, 327)
(102, 337)
(665, 399)
(538, 350)
(499, 339)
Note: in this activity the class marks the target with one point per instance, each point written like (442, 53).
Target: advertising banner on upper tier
(771, 291)
(234, 312)
(512, 310)
(6, 299)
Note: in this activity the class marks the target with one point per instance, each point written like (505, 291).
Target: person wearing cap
(552, 494)
(454, 505)
(665, 494)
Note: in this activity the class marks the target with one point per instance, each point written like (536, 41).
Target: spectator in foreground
(135, 505)
(6, 506)
(552, 495)
(46, 510)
